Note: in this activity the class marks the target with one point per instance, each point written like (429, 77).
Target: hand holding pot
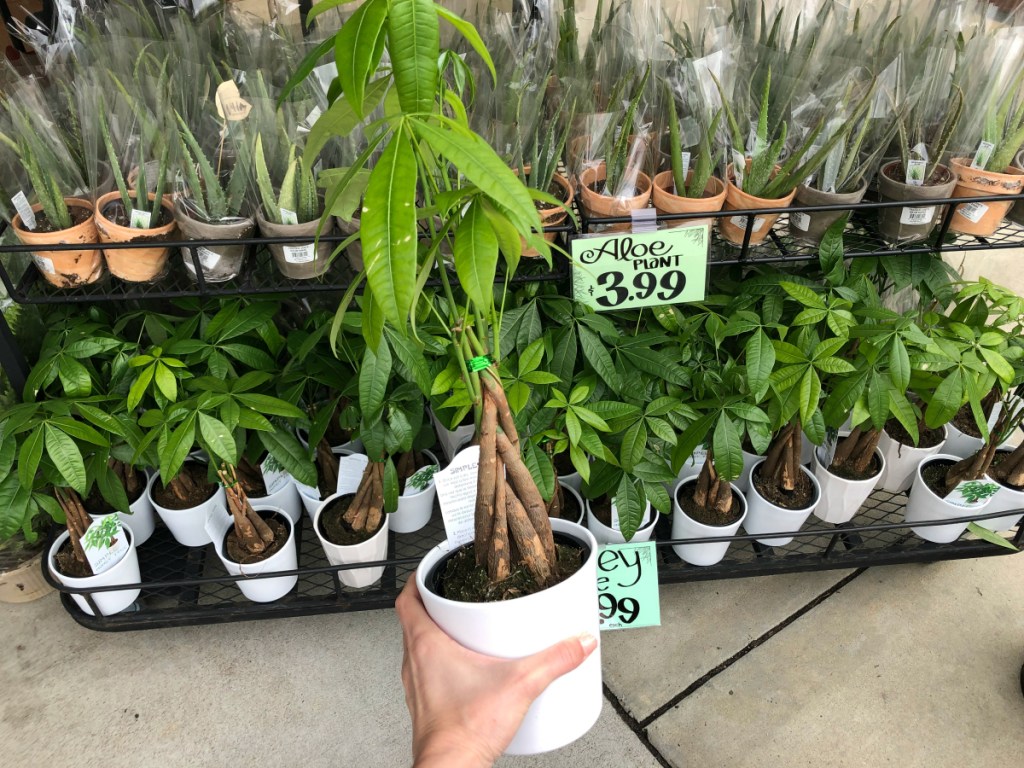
(466, 706)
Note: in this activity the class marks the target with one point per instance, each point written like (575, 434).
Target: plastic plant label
(307, 124)
(325, 75)
(274, 476)
(104, 542)
(420, 480)
(207, 258)
(28, 216)
(971, 494)
(288, 217)
(299, 254)
(350, 472)
(686, 164)
(230, 104)
(801, 221)
(739, 168)
(218, 523)
(456, 493)
(972, 211)
(983, 155)
(626, 271)
(912, 216)
(140, 219)
(44, 264)
(915, 172)
(741, 222)
(627, 586)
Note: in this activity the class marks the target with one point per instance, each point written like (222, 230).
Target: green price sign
(627, 586)
(625, 271)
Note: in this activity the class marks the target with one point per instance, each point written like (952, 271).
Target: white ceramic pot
(841, 499)
(960, 444)
(901, 462)
(142, 518)
(352, 446)
(763, 517)
(511, 629)
(567, 489)
(685, 527)
(309, 496)
(285, 498)
(924, 505)
(124, 571)
(612, 535)
(285, 559)
(414, 507)
(374, 548)
(187, 526)
(573, 481)
(451, 440)
(743, 481)
(1007, 500)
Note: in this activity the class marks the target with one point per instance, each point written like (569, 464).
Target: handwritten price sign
(627, 586)
(626, 271)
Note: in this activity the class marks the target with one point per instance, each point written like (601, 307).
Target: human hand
(466, 707)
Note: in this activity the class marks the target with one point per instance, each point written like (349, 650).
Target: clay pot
(219, 262)
(733, 228)
(65, 269)
(134, 265)
(667, 201)
(982, 219)
(301, 260)
(811, 226)
(354, 250)
(552, 216)
(1017, 212)
(905, 225)
(597, 206)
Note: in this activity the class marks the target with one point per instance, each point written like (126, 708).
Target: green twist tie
(480, 363)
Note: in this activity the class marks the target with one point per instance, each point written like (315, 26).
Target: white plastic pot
(841, 498)
(924, 504)
(285, 498)
(960, 444)
(124, 571)
(901, 462)
(1007, 500)
(685, 527)
(414, 507)
(573, 481)
(309, 496)
(743, 481)
(612, 535)
(511, 629)
(374, 548)
(285, 559)
(763, 517)
(142, 518)
(451, 440)
(187, 526)
(567, 489)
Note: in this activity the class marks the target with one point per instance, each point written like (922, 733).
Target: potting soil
(234, 550)
(848, 473)
(710, 516)
(463, 580)
(927, 438)
(334, 528)
(69, 566)
(934, 476)
(203, 491)
(801, 497)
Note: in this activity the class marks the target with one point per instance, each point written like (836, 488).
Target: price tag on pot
(801, 221)
(627, 586)
(28, 216)
(972, 211)
(983, 155)
(207, 258)
(971, 494)
(350, 472)
(918, 215)
(626, 271)
(299, 254)
(104, 542)
(274, 476)
(456, 493)
(140, 219)
(218, 523)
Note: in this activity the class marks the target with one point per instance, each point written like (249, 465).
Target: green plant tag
(140, 219)
(627, 586)
(971, 494)
(641, 270)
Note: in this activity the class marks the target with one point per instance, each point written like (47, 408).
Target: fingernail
(587, 641)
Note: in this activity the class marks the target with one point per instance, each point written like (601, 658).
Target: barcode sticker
(918, 215)
(28, 216)
(801, 221)
(972, 211)
(741, 222)
(299, 254)
(208, 258)
(288, 217)
(44, 264)
(982, 156)
(140, 219)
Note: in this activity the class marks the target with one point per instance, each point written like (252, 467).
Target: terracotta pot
(733, 228)
(905, 225)
(552, 217)
(134, 265)
(667, 201)
(811, 226)
(599, 206)
(299, 260)
(1017, 212)
(354, 250)
(982, 219)
(219, 262)
(65, 269)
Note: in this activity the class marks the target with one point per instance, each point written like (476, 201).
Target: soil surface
(848, 473)
(204, 489)
(115, 212)
(801, 497)
(571, 509)
(557, 191)
(563, 465)
(1000, 456)
(78, 215)
(602, 510)
(334, 528)
(253, 486)
(939, 176)
(709, 516)
(461, 579)
(964, 421)
(927, 438)
(233, 548)
(68, 565)
(934, 475)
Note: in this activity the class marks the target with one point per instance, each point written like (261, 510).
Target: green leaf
(139, 387)
(901, 408)
(834, 365)
(760, 358)
(66, 457)
(878, 400)
(899, 365)
(390, 486)
(414, 47)
(293, 458)
(998, 364)
(250, 356)
(804, 295)
(166, 382)
(531, 357)
(476, 257)
(388, 231)
(573, 427)
(728, 451)
(629, 507)
(597, 355)
(29, 457)
(104, 421)
(541, 469)
(633, 443)
(218, 438)
(810, 394)
(13, 507)
(111, 488)
(309, 62)
(468, 31)
(74, 378)
(266, 404)
(946, 400)
(341, 119)
(8, 450)
(373, 381)
(787, 353)
(357, 52)
(989, 536)
(518, 395)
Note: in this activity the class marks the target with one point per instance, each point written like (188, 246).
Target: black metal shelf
(188, 585)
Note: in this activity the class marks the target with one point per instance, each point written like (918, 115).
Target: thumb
(548, 665)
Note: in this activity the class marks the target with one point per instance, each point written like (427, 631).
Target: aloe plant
(297, 192)
(141, 201)
(217, 184)
(705, 159)
(1004, 127)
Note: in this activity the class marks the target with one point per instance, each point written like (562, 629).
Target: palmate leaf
(373, 380)
(414, 47)
(728, 451)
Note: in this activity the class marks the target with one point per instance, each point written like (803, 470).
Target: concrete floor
(911, 664)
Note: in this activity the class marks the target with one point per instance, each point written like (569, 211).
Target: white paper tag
(104, 542)
(971, 494)
(350, 472)
(739, 168)
(972, 211)
(421, 479)
(288, 217)
(741, 222)
(28, 216)
(686, 164)
(44, 264)
(456, 493)
(274, 476)
(299, 254)
(918, 215)
(140, 219)
(915, 172)
(208, 258)
(983, 155)
(218, 523)
(801, 221)
(230, 104)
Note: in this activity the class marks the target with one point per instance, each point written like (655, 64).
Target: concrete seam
(638, 730)
(755, 643)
